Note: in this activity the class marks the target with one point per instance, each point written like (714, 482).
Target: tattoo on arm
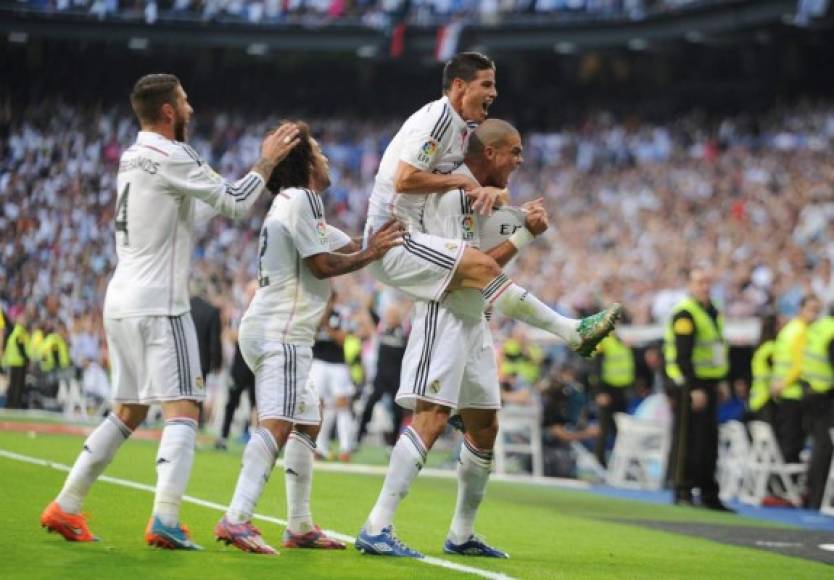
(264, 167)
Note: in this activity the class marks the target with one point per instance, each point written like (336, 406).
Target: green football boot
(592, 329)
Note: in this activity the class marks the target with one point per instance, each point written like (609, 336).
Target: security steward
(759, 404)
(818, 374)
(787, 388)
(696, 362)
(616, 377)
(16, 356)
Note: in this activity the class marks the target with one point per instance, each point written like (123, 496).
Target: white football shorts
(422, 266)
(154, 359)
(449, 360)
(282, 386)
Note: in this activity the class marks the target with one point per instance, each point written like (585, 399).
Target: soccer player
(450, 362)
(420, 160)
(331, 376)
(276, 335)
(150, 333)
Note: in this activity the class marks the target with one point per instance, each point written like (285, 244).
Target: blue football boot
(474, 546)
(384, 543)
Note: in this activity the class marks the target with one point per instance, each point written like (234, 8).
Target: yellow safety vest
(524, 363)
(54, 344)
(617, 362)
(353, 351)
(762, 370)
(816, 366)
(15, 354)
(36, 344)
(709, 357)
(783, 356)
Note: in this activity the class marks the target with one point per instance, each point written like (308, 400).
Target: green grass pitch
(550, 533)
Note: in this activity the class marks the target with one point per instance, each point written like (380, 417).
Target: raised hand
(279, 143)
(536, 219)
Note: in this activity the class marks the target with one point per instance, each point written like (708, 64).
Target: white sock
(473, 473)
(344, 428)
(407, 459)
(298, 477)
(328, 417)
(173, 467)
(99, 449)
(514, 301)
(258, 461)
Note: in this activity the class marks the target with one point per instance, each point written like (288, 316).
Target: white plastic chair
(733, 451)
(523, 425)
(766, 470)
(640, 454)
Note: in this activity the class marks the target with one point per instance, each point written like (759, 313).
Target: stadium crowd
(631, 204)
(375, 14)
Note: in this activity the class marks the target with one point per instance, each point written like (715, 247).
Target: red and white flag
(446, 43)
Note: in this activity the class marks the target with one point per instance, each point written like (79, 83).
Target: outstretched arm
(329, 264)
(187, 174)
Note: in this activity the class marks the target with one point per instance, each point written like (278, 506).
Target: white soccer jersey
(158, 183)
(450, 214)
(432, 139)
(290, 301)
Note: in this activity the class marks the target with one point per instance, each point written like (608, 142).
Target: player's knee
(280, 430)
(479, 268)
(311, 431)
(482, 429)
(131, 415)
(430, 424)
(484, 438)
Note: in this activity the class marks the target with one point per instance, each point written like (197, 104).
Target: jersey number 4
(121, 214)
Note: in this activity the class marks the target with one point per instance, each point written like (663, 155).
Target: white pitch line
(222, 508)
(362, 469)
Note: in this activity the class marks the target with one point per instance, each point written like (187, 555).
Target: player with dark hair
(150, 332)
(419, 163)
(299, 251)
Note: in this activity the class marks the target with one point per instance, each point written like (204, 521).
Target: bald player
(450, 360)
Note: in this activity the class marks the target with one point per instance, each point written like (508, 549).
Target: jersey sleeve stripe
(314, 204)
(190, 152)
(447, 122)
(239, 187)
(242, 190)
(445, 115)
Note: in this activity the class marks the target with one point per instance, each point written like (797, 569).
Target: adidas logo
(87, 449)
(380, 547)
(162, 460)
(290, 471)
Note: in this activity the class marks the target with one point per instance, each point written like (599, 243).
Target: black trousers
(383, 383)
(17, 384)
(607, 426)
(820, 414)
(694, 450)
(789, 429)
(767, 413)
(235, 393)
